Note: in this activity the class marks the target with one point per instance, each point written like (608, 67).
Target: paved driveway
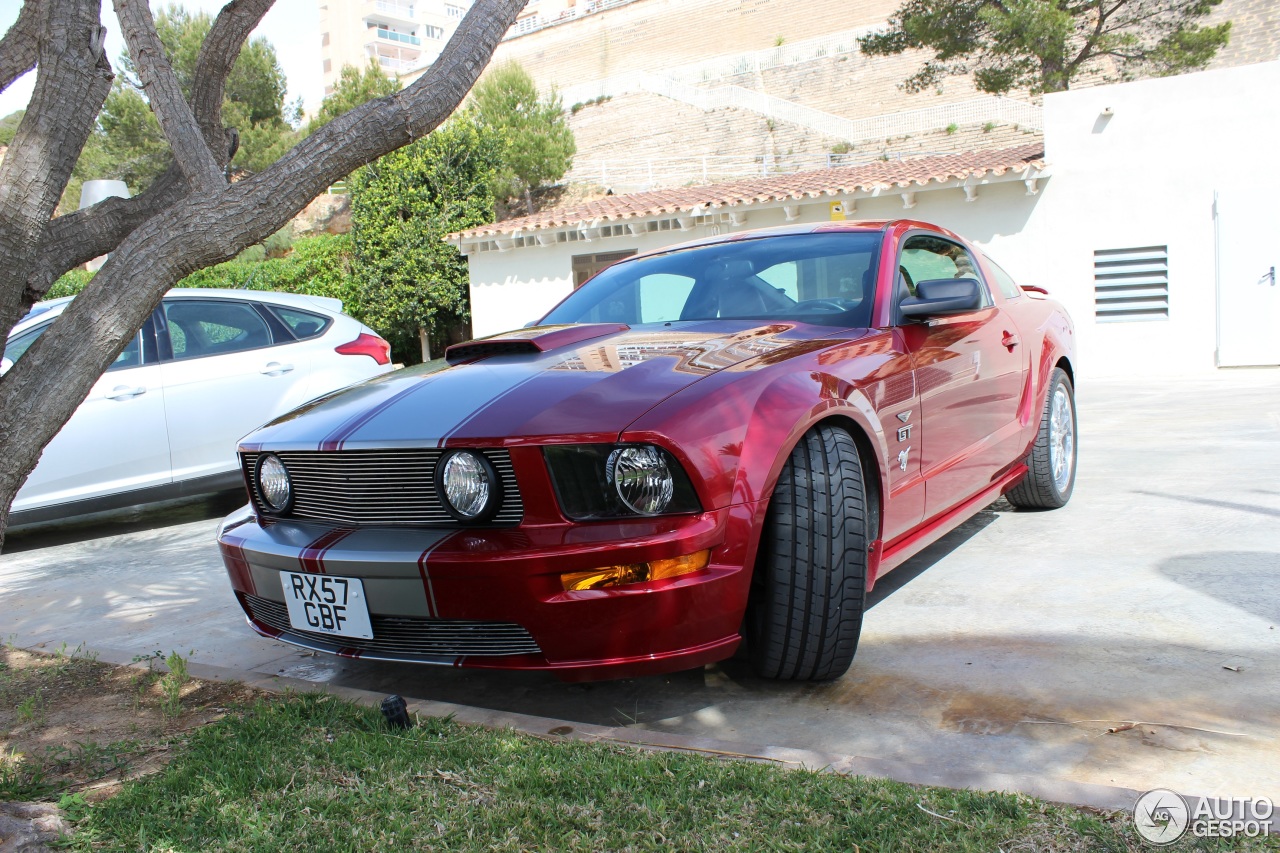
(1012, 646)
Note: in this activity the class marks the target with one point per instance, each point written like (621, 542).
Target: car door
(969, 374)
(117, 440)
(228, 367)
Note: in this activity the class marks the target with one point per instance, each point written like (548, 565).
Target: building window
(585, 266)
(454, 11)
(1131, 284)
(324, 39)
(328, 66)
(433, 32)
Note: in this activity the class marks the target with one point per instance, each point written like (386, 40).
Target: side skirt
(905, 547)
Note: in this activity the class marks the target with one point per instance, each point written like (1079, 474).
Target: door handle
(1269, 277)
(1010, 340)
(275, 368)
(124, 392)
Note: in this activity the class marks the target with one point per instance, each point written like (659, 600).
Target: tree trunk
(200, 227)
(424, 339)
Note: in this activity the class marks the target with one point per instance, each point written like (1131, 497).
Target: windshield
(825, 279)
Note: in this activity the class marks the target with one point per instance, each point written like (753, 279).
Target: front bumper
(493, 598)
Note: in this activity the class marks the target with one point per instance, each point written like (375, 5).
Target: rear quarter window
(1004, 281)
(303, 324)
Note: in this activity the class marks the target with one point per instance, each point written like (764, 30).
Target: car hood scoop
(530, 341)
(589, 382)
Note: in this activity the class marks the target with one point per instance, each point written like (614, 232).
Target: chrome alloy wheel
(1062, 438)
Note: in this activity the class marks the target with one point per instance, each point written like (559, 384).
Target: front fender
(734, 431)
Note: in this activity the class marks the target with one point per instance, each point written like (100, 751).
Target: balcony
(390, 12)
(401, 38)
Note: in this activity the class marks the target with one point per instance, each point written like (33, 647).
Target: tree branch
(165, 94)
(72, 80)
(19, 47)
(78, 237)
(385, 124)
(217, 55)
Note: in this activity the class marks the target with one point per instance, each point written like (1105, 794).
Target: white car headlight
(273, 483)
(642, 478)
(469, 486)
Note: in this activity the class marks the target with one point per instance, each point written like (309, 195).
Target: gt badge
(904, 432)
(902, 458)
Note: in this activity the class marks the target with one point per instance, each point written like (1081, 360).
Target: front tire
(809, 587)
(1052, 462)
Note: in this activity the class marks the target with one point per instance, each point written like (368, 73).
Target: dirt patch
(74, 728)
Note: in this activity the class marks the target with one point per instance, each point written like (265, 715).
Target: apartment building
(402, 35)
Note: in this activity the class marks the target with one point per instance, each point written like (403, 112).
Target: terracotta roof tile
(881, 174)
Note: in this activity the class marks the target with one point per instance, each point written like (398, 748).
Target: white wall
(1146, 176)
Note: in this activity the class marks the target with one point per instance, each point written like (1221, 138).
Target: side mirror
(938, 297)
(5, 364)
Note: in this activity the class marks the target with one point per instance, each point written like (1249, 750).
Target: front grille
(408, 636)
(379, 487)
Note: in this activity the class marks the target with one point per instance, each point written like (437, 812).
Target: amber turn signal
(636, 572)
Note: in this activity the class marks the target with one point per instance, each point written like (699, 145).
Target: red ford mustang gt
(719, 443)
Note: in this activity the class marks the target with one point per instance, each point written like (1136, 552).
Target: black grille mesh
(379, 487)
(409, 636)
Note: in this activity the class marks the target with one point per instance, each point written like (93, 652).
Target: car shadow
(134, 519)
(1243, 579)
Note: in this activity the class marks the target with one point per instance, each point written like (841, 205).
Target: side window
(198, 328)
(303, 324)
(1004, 281)
(925, 257)
(19, 344)
(131, 356)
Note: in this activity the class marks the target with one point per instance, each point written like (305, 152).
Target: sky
(292, 27)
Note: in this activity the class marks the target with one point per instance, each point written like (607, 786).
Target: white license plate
(326, 604)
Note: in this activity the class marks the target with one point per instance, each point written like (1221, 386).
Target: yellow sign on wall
(837, 211)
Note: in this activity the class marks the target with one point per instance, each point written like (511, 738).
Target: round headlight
(642, 478)
(273, 483)
(469, 485)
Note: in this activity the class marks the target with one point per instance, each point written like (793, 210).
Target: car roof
(852, 226)
(53, 307)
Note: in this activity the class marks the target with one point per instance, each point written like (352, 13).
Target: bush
(317, 266)
(69, 284)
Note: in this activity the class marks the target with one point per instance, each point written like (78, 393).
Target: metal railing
(388, 7)
(392, 35)
(644, 173)
(535, 22)
(992, 108)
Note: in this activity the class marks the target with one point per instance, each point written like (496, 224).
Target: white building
(1151, 214)
(402, 35)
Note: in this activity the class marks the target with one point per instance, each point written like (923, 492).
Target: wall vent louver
(1131, 284)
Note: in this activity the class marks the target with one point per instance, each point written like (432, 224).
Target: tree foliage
(537, 143)
(128, 144)
(402, 206)
(1043, 45)
(9, 126)
(355, 86)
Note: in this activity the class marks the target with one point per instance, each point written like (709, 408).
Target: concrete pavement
(1004, 653)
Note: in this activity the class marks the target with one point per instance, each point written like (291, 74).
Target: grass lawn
(312, 772)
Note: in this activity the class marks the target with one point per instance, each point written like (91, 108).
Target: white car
(208, 367)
